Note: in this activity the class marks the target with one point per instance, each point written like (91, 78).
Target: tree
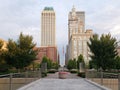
(34, 66)
(92, 64)
(80, 60)
(1, 50)
(69, 65)
(3, 66)
(72, 64)
(1, 44)
(48, 61)
(103, 50)
(50, 64)
(55, 65)
(117, 62)
(44, 59)
(20, 54)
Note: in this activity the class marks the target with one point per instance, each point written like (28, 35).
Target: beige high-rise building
(48, 27)
(48, 46)
(77, 36)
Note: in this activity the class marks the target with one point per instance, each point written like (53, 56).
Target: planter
(62, 75)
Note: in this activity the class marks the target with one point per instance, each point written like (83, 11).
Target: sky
(102, 16)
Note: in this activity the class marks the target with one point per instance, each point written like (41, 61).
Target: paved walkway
(53, 83)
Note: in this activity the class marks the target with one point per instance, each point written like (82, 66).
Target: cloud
(104, 19)
(33, 31)
(115, 30)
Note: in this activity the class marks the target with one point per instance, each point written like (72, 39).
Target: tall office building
(48, 36)
(48, 27)
(76, 22)
(77, 36)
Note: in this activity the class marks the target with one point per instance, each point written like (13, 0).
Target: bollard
(34, 75)
(86, 73)
(10, 87)
(101, 77)
(26, 77)
(40, 73)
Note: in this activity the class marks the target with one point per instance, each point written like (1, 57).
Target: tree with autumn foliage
(20, 53)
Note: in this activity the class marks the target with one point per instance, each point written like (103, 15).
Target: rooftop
(49, 9)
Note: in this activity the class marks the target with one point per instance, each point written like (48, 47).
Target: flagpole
(63, 57)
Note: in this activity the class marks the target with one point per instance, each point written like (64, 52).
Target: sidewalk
(53, 83)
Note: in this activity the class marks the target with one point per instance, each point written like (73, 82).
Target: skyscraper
(48, 36)
(48, 27)
(77, 36)
(76, 22)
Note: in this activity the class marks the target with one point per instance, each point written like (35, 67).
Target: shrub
(73, 71)
(4, 68)
(52, 71)
(44, 74)
(81, 74)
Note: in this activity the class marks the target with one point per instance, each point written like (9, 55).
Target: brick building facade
(50, 52)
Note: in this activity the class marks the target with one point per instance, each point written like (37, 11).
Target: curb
(98, 85)
(28, 85)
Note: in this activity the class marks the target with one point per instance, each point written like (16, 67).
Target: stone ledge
(29, 85)
(98, 85)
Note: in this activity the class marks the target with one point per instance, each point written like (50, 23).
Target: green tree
(49, 64)
(92, 64)
(80, 60)
(20, 54)
(72, 64)
(55, 65)
(69, 65)
(44, 59)
(48, 61)
(34, 65)
(103, 50)
(117, 62)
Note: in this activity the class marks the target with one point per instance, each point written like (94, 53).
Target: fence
(14, 81)
(110, 80)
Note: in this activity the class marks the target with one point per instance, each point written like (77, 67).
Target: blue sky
(103, 16)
